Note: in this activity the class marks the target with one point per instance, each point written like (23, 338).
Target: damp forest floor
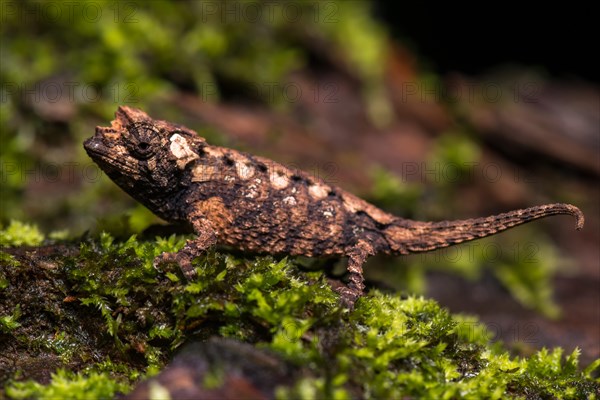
(97, 317)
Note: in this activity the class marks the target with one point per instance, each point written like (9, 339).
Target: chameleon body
(255, 204)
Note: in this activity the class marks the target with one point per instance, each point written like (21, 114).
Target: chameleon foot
(348, 296)
(183, 260)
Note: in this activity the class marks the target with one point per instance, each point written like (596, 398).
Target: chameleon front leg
(207, 237)
(357, 255)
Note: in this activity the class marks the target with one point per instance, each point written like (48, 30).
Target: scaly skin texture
(255, 204)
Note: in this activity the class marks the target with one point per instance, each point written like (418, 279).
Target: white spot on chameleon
(181, 150)
(317, 191)
(279, 180)
(245, 171)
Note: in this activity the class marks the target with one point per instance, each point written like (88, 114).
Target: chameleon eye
(143, 150)
(142, 140)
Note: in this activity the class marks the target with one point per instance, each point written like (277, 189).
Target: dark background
(557, 40)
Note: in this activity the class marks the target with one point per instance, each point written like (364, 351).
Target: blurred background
(424, 111)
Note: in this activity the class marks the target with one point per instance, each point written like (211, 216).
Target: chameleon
(254, 204)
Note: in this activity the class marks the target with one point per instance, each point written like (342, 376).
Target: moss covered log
(95, 318)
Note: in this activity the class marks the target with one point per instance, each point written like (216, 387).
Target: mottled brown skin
(255, 204)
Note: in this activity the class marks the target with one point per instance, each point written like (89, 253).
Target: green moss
(18, 234)
(9, 323)
(68, 385)
(387, 347)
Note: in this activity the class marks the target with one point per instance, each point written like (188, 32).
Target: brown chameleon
(255, 204)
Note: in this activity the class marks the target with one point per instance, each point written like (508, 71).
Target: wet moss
(18, 234)
(107, 318)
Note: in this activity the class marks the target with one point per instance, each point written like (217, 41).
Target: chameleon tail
(427, 236)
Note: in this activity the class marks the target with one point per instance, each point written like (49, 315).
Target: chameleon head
(145, 157)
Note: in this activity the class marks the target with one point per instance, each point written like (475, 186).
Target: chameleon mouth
(92, 145)
(97, 150)
(99, 153)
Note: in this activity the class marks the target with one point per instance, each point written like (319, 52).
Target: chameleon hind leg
(357, 255)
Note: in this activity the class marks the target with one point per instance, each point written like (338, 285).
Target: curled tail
(411, 236)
